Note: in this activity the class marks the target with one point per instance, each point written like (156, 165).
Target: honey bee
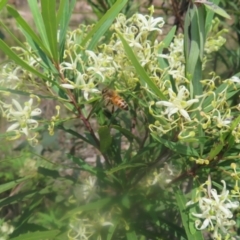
(112, 97)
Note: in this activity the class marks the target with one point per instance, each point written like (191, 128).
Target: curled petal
(232, 204)
(184, 113)
(68, 86)
(164, 103)
(24, 130)
(204, 224)
(13, 127)
(17, 105)
(32, 123)
(36, 112)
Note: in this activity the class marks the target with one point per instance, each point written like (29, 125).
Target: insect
(111, 96)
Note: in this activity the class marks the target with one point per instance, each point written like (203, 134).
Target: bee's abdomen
(122, 104)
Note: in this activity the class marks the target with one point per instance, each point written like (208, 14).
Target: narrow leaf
(105, 138)
(168, 39)
(140, 70)
(63, 18)
(209, 17)
(131, 235)
(33, 4)
(125, 166)
(3, 4)
(84, 166)
(213, 7)
(103, 25)
(193, 47)
(9, 185)
(17, 198)
(126, 133)
(50, 22)
(37, 235)
(89, 207)
(177, 147)
(181, 203)
(112, 229)
(27, 28)
(12, 55)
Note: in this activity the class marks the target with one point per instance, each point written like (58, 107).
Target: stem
(81, 116)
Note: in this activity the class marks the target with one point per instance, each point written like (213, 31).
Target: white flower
(89, 188)
(215, 210)
(149, 23)
(6, 228)
(10, 76)
(177, 103)
(234, 79)
(82, 82)
(99, 64)
(73, 64)
(222, 121)
(22, 117)
(80, 229)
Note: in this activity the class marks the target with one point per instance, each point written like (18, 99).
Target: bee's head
(104, 91)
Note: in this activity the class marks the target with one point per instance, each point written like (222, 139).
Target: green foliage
(154, 165)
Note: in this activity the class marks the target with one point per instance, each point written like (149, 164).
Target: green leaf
(214, 8)
(9, 185)
(28, 211)
(37, 235)
(191, 224)
(201, 15)
(84, 166)
(140, 70)
(112, 229)
(167, 40)
(145, 151)
(17, 198)
(34, 6)
(50, 22)
(131, 235)
(103, 25)
(76, 134)
(12, 55)
(126, 201)
(63, 18)
(126, 133)
(89, 207)
(48, 172)
(12, 35)
(194, 38)
(228, 136)
(177, 147)
(125, 166)
(209, 18)
(232, 90)
(181, 203)
(105, 138)
(3, 4)
(165, 44)
(27, 28)
(19, 92)
(215, 150)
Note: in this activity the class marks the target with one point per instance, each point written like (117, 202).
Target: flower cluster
(5, 230)
(87, 191)
(83, 228)
(87, 71)
(110, 62)
(215, 210)
(22, 119)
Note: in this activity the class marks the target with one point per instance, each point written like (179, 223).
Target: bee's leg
(112, 109)
(107, 103)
